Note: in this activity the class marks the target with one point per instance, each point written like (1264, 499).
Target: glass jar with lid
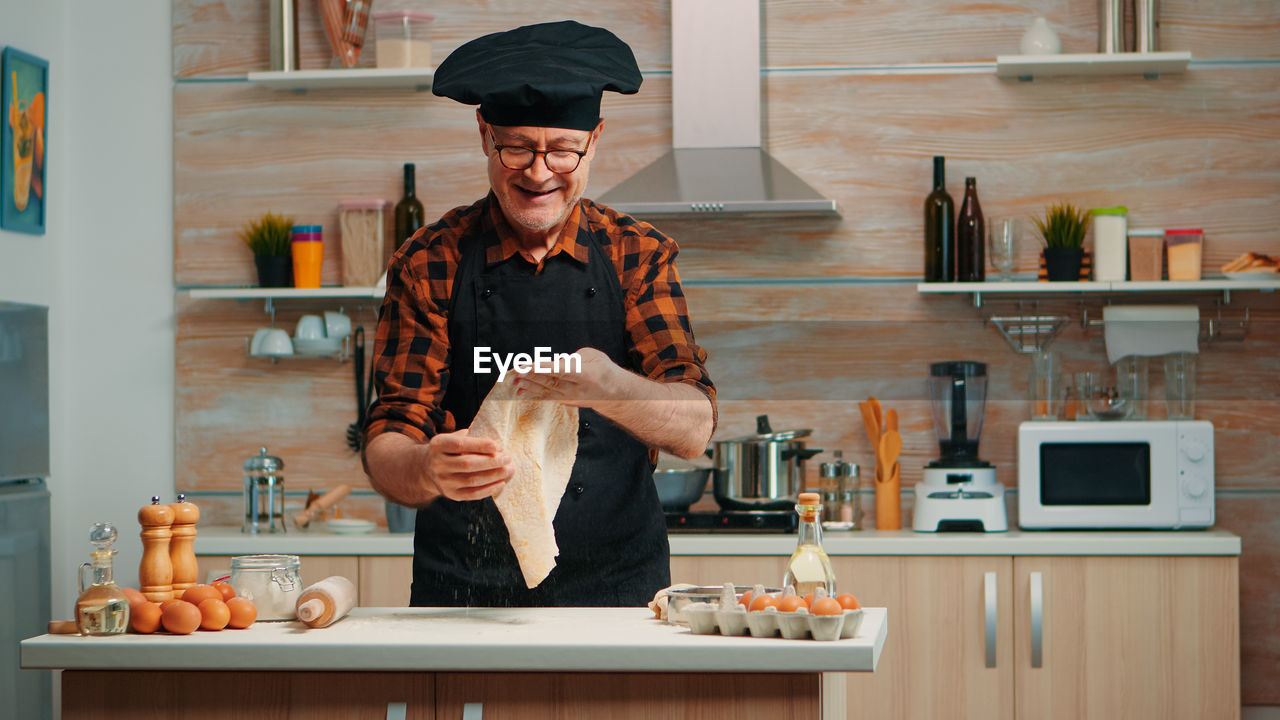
(402, 38)
(271, 582)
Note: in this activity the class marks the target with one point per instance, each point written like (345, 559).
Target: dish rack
(1029, 332)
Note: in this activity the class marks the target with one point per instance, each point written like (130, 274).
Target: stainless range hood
(717, 165)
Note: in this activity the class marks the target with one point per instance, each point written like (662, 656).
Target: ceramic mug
(336, 325)
(275, 342)
(310, 327)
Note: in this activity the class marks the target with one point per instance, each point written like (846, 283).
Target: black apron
(609, 526)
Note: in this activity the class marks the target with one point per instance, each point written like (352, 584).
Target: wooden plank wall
(789, 334)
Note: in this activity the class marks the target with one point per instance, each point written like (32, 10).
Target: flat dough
(541, 436)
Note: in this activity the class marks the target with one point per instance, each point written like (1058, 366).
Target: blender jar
(958, 397)
(402, 38)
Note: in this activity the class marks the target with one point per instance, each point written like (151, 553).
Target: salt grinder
(182, 548)
(155, 572)
(263, 493)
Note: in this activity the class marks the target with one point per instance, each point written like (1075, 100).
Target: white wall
(104, 266)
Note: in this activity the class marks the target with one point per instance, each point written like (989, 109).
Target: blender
(959, 491)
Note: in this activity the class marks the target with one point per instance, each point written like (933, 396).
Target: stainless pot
(764, 471)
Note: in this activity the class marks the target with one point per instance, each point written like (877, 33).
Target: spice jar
(402, 38)
(271, 582)
(360, 229)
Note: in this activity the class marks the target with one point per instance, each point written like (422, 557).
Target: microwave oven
(1123, 474)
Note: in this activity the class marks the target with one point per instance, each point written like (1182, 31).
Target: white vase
(1040, 39)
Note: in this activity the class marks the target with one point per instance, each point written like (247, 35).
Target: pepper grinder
(182, 549)
(155, 572)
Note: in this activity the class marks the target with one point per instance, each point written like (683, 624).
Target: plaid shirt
(412, 348)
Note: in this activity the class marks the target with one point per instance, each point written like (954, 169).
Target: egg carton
(709, 619)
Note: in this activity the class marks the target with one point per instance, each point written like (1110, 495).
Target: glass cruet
(102, 608)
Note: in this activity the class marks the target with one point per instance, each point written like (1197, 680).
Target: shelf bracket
(270, 309)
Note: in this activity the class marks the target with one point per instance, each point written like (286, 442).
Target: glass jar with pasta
(361, 227)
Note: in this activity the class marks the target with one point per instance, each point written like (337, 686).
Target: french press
(263, 493)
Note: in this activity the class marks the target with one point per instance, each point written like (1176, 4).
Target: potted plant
(268, 238)
(1062, 228)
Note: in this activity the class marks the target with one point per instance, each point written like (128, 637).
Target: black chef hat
(546, 75)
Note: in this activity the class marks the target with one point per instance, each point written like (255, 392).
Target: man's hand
(597, 383)
(461, 467)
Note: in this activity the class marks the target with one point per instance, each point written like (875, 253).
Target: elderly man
(531, 266)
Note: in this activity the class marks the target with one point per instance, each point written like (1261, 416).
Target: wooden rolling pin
(326, 602)
(324, 502)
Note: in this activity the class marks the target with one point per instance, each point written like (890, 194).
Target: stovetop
(783, 521)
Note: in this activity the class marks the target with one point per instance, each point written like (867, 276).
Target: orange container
(308, 254)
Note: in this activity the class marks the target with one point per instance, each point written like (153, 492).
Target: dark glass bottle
(409, 213)
(971, 233)
(939, 228)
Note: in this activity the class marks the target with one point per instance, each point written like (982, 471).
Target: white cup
(255, 345)
(336, 325)
(310, 327)
(275, 342)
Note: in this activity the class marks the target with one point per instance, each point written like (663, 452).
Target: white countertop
(320, 541)
(466, 639)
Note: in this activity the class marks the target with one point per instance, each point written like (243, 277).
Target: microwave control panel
(1195, 474)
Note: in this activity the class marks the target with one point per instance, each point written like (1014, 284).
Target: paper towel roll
(1150, 330)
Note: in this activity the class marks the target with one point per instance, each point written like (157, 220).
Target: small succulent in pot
(1063, 226)
(268, 238)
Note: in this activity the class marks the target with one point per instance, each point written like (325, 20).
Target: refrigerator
(24, 506)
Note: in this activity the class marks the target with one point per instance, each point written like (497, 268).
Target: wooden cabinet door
(628, 696)
(934, 665)
(1127, 637)
(212, 695)
(311, 568)
(385, 580)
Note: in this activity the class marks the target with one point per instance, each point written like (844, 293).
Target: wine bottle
(939, 228)
(409, 214)
(971, 233)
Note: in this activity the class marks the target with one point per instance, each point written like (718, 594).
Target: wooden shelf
(1151, 64)
(257, 293)
(1032, 286)
(302, 80)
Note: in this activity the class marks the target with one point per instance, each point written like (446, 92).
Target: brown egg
(144, 617)
(847, 601)
(225, 588)
(791, 604)
(827, 606)
(180, 617)
(745, 599)
(197, 594)
(166, 603)
(135, 596)
(763, 601)
(243, 612)
(214, 614)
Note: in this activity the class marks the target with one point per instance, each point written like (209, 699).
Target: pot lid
(765, 433)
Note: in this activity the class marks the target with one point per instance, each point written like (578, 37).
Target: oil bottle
(102, 608)
(809, 566)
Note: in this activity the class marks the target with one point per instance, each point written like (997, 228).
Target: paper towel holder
(1213, 329)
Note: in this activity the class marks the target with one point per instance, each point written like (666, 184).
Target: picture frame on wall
(24, 92)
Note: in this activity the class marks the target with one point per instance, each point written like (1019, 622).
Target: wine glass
(1002, 236)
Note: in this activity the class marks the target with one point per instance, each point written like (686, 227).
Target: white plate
(1267, 276)
(351, 526)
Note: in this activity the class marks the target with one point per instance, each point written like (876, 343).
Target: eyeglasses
(518, 157)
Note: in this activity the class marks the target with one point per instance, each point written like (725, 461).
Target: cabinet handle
(473, 711)
(989, 596)
(397, 710)
(1037, 619)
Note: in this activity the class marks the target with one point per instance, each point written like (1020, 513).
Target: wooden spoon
(873, 427)
(891, 419)
(890, 447)
(875, 409)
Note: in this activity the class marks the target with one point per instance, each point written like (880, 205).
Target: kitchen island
(437, 662)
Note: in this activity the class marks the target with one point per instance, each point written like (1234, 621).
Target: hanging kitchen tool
(356, 429)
